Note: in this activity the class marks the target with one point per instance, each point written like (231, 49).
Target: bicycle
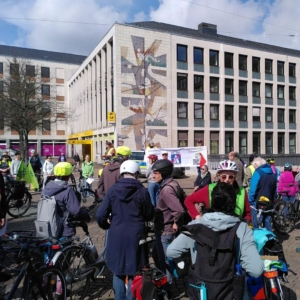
(18, 197)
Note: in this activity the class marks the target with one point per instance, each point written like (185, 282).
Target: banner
(27, 174)
(182, 157)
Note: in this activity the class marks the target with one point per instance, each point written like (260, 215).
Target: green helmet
(63, 169)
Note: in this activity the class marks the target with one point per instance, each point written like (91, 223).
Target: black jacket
(203, 182)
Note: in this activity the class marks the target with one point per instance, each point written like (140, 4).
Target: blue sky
(267, 21)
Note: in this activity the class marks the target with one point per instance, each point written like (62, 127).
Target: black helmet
(164, 167)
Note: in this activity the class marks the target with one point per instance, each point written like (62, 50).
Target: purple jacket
(287, 179)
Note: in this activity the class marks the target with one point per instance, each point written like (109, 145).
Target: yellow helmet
(123, 151)
(63, 169)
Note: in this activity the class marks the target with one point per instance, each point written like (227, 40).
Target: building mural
(143, 92)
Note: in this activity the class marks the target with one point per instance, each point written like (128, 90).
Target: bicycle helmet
(288, 167)
(129, 166)
(270, 160)
(63, 169)
(227, 165)
(164, 167)
(153, 157)
(123, 151)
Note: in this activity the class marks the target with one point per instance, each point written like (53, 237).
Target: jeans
(265, 219)
(288, 199)
(120, 289)
(160, 248)
(86, 186)
(153, 189)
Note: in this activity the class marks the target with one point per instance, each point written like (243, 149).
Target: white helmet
(227, 165)
(130, 166)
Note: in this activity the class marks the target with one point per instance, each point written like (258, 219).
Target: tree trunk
(23, 135)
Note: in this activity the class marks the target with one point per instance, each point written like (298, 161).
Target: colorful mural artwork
(146, 85)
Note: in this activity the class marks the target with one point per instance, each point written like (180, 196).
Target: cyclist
(110, 151)
(87, 168)
(77, 160)
(271, 162)
(203, 179)
(226, 172)
(127, 205)
(153, 186)
(249, 171)
(288, 183)
(37, 164)
(48, 169)
(111, 173)
(5, 166)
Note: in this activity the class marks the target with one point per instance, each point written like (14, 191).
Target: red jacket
(202, 196)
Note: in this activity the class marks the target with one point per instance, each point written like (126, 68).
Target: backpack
(49, 223)
(215, 263)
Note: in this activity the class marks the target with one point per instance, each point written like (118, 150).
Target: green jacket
(87, 169)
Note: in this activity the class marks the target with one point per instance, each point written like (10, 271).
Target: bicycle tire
(53, 280)
(15, 205)
(85, 192)
(70, 261)
(283, 222)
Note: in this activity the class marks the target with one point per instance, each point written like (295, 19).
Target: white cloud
(139, 17)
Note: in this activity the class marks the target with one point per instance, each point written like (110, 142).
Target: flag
(21, 171)
(202, 160)
(27, 174)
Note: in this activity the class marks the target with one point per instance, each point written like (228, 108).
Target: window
(292, 143)
(45, 72)
(182, 110)
(214, 84)
(292, 92)
(255, 64)
(242, 88)
(228, 86)
(14, 69)
(268, 66)
(198, 136)
(198, 83)
(182, 138)
(243, 110)
(243, 142)
(229, 112)
(46, 109)
(198, 110)
(228, 142)
(228, 60)
(243, 62)
(280, 143)
(269, 114)
(46, 126)
(46, 89)
(280, 91)
(198, 56)
(256, 142)
(269, 90)
(30, 71)
(256, 114)
(182, 82)
(280, 115)
(256, 89)
(292, 116)
(280, 68)
(214, 143)
(1, 67)
(214, 112)
(182, 53)
(213, 58)
(269, 142)
(292, 70)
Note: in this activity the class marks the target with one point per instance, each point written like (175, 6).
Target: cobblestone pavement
(102, 288)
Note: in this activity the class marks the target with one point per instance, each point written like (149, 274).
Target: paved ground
(102, 288)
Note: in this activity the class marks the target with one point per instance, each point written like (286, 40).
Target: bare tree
(26, 102)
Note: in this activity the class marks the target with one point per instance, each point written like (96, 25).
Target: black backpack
(215, 263)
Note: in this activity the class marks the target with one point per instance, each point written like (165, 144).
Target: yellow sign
(81, 134)
(72, 142)
(111, 117)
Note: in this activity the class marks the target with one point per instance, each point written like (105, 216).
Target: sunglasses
(230, 177)
(203, 169)
(165, 155)
(50, 157)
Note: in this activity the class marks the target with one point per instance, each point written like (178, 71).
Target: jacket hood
(115, 164)
(266, 168)
(216, 221)
(55, 187)
(125, 189)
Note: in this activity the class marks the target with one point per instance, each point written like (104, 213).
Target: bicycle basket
(18, 189)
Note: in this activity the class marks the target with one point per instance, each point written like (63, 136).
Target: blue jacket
(129, 204)
(263, 183)
(67, 201)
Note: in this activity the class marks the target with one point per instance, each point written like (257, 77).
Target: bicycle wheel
(71, 261)
(283, 220)
(52, 285)
(88, 193)
(18, 207)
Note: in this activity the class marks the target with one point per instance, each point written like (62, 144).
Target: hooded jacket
(263, 183)
(246, 247)
(129, 204)
(287, 182)
(109, 176)
(67, 201)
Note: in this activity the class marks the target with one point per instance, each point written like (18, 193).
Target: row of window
(182, 113)
(30, 70)
(243, 142)
(45, 88)
(182, 85)
(182, 56)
